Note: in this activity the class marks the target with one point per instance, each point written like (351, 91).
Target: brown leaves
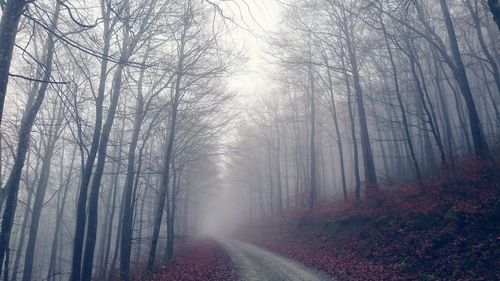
(202, 261)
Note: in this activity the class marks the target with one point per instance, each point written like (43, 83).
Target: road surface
(256, 264)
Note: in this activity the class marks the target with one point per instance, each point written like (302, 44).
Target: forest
(130, 131)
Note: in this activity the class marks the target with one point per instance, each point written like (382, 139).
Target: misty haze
(249, 140)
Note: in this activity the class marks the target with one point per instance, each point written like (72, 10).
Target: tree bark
(357, 180)
(333, 111)
(89, 164)
(11, 16)
(22, 238)
(12, 184)
(278, 166)
(128, 208)
(402, 109)
(313, 185)
(51, 273)
(165, 177)
(369, 165)
(93, 200)
(481, 148)
(494, 6)
(54, 131)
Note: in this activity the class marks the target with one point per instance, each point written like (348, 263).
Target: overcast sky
(258, 19)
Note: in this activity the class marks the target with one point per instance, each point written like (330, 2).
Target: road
(256, 264)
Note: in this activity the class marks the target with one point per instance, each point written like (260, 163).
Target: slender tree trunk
(11, 14)
(81, 208)
(287, 180)
(172, 212)
(22, 238)
(41, 189)
(141, 222)
(429, 117)
(369, 165)
(60, 212)
(110, 215)
(128, 208)
(12, 185)
(278, 168)
(480, 145)
(494, 6)
(312, 141)
(333, 111)
(6, 266)
(429, 109)
(107, 228)
(460, 113)
(357, 180)
(270, 176)
(185, 213)
(165, 177)
(474, 11)
(445, 113)
(118, 237)
(93, 200)
(409, 141)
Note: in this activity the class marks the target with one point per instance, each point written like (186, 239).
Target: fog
(129, 127)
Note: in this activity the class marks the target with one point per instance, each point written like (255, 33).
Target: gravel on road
(256, 264)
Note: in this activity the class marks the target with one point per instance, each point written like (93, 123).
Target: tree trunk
(6, 266)
(480, 145)
(429, 109)
(369, 166)
(278, 167)
(41, 189)
(445, 113)
(108, 233)
(171, 213)
(12, 184)
(357, 181)
(333, 111)
(22, 238)
(59, 217)
(287, 180)
(11, 14)
(93, 200)
(494, 6)
(312, 137)
(81, 208)
(128, 208)
(165, 177)
(403, 110)
(474, 11)
(270, 176)
(118, 237)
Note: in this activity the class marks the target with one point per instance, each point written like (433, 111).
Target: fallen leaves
(448, 233)
(201, 261)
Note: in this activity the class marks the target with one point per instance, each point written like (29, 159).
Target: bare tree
(32, 108)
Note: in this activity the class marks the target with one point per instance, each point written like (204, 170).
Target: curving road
(256, 264)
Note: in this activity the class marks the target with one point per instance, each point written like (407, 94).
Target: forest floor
(450, 232)
(201, 260)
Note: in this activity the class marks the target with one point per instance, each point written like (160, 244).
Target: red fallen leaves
(201, 261)
(449, 233)
(341, 267)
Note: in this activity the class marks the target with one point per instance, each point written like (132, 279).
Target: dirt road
(256, 264)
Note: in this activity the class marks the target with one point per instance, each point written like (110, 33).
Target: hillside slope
(450, 232)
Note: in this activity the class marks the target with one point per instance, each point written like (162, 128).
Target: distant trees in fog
(368, 93)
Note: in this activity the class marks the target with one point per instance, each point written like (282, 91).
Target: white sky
(261, 17)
